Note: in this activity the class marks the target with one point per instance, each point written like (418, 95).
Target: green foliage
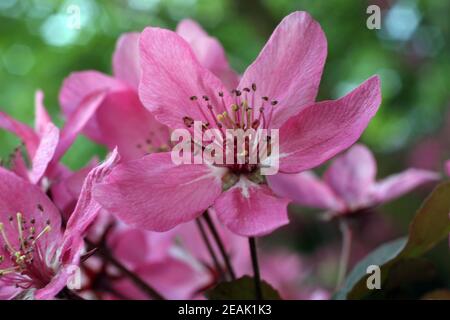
(242, 289)
(430, 226)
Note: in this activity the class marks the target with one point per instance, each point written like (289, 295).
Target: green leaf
(379, 257)
(241, 289)
(430, 225)
(439, 294)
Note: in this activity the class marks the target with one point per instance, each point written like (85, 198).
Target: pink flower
(121, 120)
(46, 144)
(157, 259)
(36, 257)
(447, 168)
(349, 184)
(280, 87)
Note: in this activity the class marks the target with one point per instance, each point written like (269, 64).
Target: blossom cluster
(140, 225)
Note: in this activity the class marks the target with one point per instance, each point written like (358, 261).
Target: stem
(209, 247)
(141, 284)
(256, 275)
(219, 243)
(345, 252)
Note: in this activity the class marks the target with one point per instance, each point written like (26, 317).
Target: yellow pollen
(220, 117)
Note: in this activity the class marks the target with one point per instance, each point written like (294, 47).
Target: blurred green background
(411, 53)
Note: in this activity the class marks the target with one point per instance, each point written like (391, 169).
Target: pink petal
(125, 123)
(305, 189)
(397, 185)
(24, 132)
(45, 152)
(78, 86)
(173, 278)
(42, 117)
(126, 64)
(447, 166)
(249, 209)
(155, 194)
(66, 189)
(192, 240)
(18, 164)
(322, 130)
(87, 207)
(77, 120)
(209, 52)
(352, 175)
(171, 75)
(153, 246)
(289, 67)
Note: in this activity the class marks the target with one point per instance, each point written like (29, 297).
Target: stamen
(20, 229)
(8, 270)
(44, 231)
(249, 117)
(5, 238)
(188, 121)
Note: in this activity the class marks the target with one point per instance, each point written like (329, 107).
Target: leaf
(430, 225)
(379, 256)
(439, 294)
(241, 289)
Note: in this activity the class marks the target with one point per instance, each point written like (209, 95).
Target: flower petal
(322, 130)
(173, 278)
(155, 194)
(42, 117)
(138, 134)
(126, 64)
(78, 119)
(171, 75)
(352, 175)
(396, 185)
(209, 52)
(249, 209)
(22, 131)
(77, 86)
(87, 207)
(289, 67)
(305, 189)
(447, 166)
(45, 152)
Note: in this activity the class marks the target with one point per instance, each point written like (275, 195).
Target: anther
(253, 86)
(188, 121)
(246, 89)
(40, 207)
(274, 102)
(220, 94)
(265, 98)
(238, 93)
(193, 98)
(205, 98)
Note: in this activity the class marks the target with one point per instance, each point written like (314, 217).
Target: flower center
(243, 119)
(24, 256)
